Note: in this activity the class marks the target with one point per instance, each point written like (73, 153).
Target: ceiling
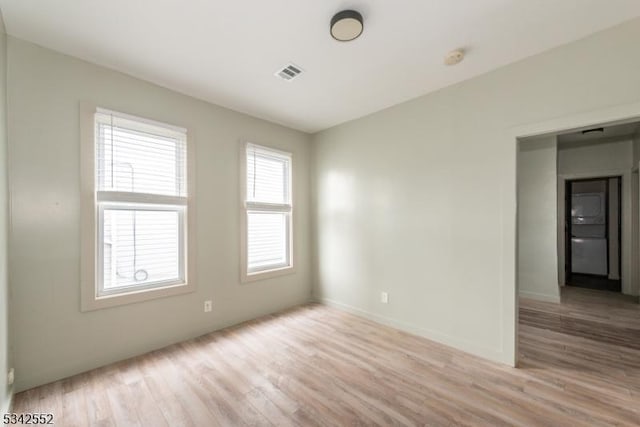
(608, 133)
(226, 52)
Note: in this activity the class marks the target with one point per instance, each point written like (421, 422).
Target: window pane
(138, 160)
(267, 177)
(267, 240)
(141, 247)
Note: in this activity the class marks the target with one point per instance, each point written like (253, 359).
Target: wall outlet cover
(207, 306)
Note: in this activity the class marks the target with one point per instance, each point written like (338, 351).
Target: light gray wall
(595, 156)
(420, 199)
(600, 158)
(635, 230)
(538, 219)
(614, 243)
(636, 149)
(635, 214)
(53, 339)
(5, 344)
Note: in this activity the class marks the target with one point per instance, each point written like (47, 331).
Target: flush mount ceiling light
(594, 130)
(346, 25)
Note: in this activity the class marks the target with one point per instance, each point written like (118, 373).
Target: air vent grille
(288, 72)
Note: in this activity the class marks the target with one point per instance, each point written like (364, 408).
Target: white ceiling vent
(288, 72)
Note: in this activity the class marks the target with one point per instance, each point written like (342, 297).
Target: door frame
(607, 116)
(567, 225)
(626, 241)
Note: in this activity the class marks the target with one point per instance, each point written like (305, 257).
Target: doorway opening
(593, 233)
(578, 268)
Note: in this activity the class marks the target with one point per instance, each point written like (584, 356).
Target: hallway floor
(593, 282)
(599, 315)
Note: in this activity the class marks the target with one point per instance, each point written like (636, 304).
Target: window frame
(129, 207)
(249, 206)
(92, 206)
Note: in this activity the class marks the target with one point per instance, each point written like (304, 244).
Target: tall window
(268, 210)
(140, 194)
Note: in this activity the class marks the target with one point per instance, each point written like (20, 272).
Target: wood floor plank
(601, 316)
(318, 366)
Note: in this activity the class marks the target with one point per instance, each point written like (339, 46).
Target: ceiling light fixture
(346, 25)
(594, 130)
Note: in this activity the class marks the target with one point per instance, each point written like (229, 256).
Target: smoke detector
(288, 72)
(454, 57)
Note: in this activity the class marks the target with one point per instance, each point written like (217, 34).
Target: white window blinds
(267, 176)
(268, 240)
(141, 193)
(139, 157)
(268, 204)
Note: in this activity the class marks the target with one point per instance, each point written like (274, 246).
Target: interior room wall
(635, 230)
(601, 158)
(635, 213)
(614, 241)
(595, 156)
(537, 219)
(636, 149)
(5, 344)
(53, 339)
(419, 200)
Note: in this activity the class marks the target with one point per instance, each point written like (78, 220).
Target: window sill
(267, 274)
(91, 302)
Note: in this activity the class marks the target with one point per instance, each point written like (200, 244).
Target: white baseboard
(468, 347)
(540, 297)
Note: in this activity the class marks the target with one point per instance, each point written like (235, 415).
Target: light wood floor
(317, 366)
(598, 315)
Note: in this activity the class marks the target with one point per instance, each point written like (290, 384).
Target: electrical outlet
(11, 377)
(384, 297)
(207, 306)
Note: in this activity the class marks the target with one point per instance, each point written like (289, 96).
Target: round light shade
(346, 25)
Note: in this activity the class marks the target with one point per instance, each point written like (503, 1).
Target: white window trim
(178, 208)
(89, 197)
(245, 275)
